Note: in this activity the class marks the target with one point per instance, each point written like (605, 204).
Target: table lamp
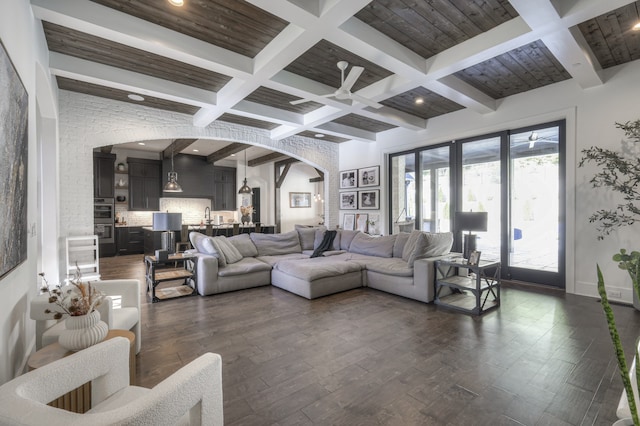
(470, 221)
(167, 223)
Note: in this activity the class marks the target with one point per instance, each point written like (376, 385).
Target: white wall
(590, 116)
(23, 40)
(297, 180)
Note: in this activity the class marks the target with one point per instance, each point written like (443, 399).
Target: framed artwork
(369, 199)
(349, 222)
(348, 179)
(369, 176)
(349, 200)
(474, 258)
(362, 221)
(14, 114)
(299, 200)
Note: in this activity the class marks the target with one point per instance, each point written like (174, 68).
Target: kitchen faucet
(207, 214)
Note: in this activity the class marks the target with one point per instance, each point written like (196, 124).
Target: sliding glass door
(516, 177)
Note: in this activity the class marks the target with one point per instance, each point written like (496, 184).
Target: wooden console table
(79, 399)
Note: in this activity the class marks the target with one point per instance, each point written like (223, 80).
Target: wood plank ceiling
(421, 59)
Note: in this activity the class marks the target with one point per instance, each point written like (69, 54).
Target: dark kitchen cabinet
(103, 175)
(144, 184)
(129, 239)
(224, 184)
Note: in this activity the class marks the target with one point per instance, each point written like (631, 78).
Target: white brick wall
(87, 122)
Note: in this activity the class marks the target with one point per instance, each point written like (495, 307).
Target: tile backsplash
(192, 210)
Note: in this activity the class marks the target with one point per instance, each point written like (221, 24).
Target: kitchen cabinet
(129, 239)
(103, 175)
(224, 184)
(144, 184)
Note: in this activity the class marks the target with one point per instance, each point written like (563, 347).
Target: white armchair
(120, 311)
(192, 395)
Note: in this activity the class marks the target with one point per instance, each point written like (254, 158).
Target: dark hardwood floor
(365, 357)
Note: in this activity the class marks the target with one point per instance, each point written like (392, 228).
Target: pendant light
(245, 189)
(172, 180)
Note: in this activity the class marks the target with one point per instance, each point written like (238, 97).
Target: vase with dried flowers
(78, 301)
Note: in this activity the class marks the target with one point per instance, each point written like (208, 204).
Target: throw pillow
(307, 235)
(373, 246)
(209, 247)
(228, 251)
(244, 245)
(320, 236)
(438, 244)
(398, 246)
(345, 238)
(197, 239)
(275, 244)
(410, 245)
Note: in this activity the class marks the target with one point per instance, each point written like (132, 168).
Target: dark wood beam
(106, 149)
(176, 147)
(320, 177)
(265, 159)
(225, 152)
(282, 176)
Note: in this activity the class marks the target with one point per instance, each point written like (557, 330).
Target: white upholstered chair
(192, 395)
(121, 311)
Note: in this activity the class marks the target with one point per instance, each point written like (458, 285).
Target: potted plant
(78, 301)
(620, 173)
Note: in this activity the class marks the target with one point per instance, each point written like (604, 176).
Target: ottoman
(317, 277)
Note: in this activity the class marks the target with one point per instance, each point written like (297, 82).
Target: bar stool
(258, 227)
(236, 228)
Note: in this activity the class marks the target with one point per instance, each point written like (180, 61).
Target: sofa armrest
(206, 273)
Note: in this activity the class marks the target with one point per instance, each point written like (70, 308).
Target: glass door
(436, 190)
(535, 235)
(403, 192)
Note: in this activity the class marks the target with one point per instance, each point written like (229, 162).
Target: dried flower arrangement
(77, 299)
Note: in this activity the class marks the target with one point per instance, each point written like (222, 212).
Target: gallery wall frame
(348, 179)
(349, 222)
(369, 176)
(348, 200)
(369, 199)
(299, 200)
(14, 115)
(362, 222)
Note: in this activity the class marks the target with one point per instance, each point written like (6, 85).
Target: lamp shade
(167, 221)
(471, 221)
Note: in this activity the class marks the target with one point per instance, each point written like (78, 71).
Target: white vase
(83, 331)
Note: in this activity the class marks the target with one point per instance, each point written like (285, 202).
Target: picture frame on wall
(349, 222)
(299, 200)
(362, 222)
(369, 200)
(349, 200)
(369, 176)
(348, 179)
(14, 116)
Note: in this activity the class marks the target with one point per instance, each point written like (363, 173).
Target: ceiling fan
(344, 91)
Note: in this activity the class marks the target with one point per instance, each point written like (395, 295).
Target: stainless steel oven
(103, 210)
(105, 233)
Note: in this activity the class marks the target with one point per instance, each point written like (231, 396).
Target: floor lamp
(167, 223)
(470, 221)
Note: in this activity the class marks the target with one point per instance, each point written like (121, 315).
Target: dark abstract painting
(14, 111)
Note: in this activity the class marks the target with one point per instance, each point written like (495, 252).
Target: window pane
(403, 193)
(436, 196)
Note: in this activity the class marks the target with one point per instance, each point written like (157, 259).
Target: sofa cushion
(276, 244)
(401, 241)
(346, 237)
(313, 269)
(392, 266)
(424, 244)
(230, 253)
(372, 246)
(244, 266)
(272, 260)
(244, 245)
(307, 235)
(197, 239)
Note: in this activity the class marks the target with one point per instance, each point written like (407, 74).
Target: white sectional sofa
(401, 264)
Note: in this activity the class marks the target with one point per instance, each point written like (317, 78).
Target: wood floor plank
(365, 357)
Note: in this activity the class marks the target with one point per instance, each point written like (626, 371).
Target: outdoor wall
(590, 115)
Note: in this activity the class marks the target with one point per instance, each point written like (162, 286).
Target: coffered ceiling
(245, 61)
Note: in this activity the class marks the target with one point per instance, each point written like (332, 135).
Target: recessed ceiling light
(196, 150)
(141, 143)
(233, 155)
(135, 97)
(176, 2)
(319, 135)
(636, 27)
(419, 101)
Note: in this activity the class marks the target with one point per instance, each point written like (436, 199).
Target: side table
(157, 271)
(468, 293)
(79, 399)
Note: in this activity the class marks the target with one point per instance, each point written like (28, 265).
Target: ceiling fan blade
(351, 79)
(368, 102)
